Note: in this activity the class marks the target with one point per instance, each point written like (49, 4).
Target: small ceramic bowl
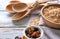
(40, 29)
(48, 22)
(9, 8)
(20, 7)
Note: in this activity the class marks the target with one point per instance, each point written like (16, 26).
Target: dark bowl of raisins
(34, 32)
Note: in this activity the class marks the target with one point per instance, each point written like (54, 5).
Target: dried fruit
(20, 38)
(35, 34)
(28, 35)
(31, 30)
(24, 37)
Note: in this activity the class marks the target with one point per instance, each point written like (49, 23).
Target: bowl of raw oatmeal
(51, 15)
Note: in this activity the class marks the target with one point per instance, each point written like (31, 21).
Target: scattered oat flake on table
(35, 21)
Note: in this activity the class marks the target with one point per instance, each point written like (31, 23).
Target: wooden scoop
(20, 7)
(19, 16)
(9, 6)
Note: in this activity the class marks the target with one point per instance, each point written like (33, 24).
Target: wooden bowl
(20, 7)
(48, 22)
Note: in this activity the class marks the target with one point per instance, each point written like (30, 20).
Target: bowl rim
(41, 31)
(44, 16)
(13, 2)
(20, 10)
